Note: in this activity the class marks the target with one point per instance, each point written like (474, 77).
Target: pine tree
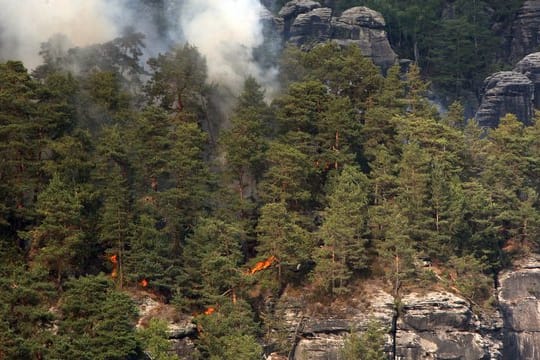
(229, 333)
(245, 142)
(155, 340)
(57, 242)
(413, 194)
(506, 176)
(343, 232)
(368, 345)
(394, 247)
(188, 193)
(279, 235)
(211, 264)
(115, 215)
(24, 312)
(22, 137)
(287, 175)
(97, 322)
(178, 80)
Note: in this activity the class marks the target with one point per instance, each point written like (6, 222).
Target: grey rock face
(526, 30)
(312, 27)
(365, 28)
(364, 17)
(294, 8)
(319, 334)
(519, 296)
(506, 92)
(440, 325)
(436, 325)
(306, 23)
(530, 67)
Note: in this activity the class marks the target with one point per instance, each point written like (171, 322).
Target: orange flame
(210, 311)
(261, 265)
(114, 260)
(143, 283)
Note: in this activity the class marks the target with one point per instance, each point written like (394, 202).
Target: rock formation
(519, 298)
(435, 325)
(365, 28)
(430, 325)
(506, 92)
(306, 23)
(530, 67)
(441, 325)
(526, 30)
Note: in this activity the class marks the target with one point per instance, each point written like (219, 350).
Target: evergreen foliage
(369, 345)
(346, 175)
(97, 322)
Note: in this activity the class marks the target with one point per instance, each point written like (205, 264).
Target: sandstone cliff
(306, 23)
(516, 92)
(519, 297)
(431, 325)
(506, 92)
(435, 325)
(526, 30)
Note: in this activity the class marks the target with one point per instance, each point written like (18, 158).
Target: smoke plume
(225, 31)
(25, 24)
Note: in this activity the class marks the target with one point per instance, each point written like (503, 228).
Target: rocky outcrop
(506, 92)
(526, 30)
(441, 325)
(319, 332)
(530, 67)
(519, 298)
(366, 29)
(306, 23)
(312, 27)
(181, 329)
(436, 325)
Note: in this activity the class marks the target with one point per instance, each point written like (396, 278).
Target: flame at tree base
(262, 265)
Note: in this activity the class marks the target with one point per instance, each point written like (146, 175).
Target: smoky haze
(225, 31)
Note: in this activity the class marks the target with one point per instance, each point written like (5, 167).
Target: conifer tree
(97, 322)
(506, 178)
(229, 333)
(57, 242)
(211, 264)
(279, 235)
(343, 232)
(413, 194)
(26, 321)
(188, 194)
(368, 345)
(178, 80)
(21, 143)
(394, 247)
(245, 142)
(115, 215)
(287, 175)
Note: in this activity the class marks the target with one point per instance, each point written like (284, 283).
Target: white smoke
(225, 31)
(25, 24)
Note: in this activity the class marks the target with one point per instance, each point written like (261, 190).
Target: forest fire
(210, 311)
(114, 260)
(261, 265)
(143, 283)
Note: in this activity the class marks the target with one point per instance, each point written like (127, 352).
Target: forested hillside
(115, 179)
(455, 43)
